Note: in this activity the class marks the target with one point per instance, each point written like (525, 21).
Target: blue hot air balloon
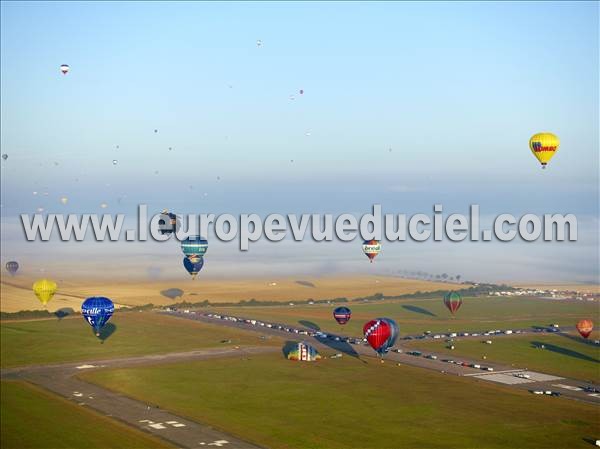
(342, 314)
(193, 267)
(97, 310)
(194, 247)
(12, 267)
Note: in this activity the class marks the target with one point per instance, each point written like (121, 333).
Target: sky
(455, 90)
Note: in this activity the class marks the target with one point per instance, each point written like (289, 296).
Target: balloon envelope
(193, 267)
(194, 247)
(381, 333)
(452, 301)
(97, 310)
(371, 248)
(543, 146)
(12, 267)
(585, 327)
(167, 223)
(342, 314)
(44, 289)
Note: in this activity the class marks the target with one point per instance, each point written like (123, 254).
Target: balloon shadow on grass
(306, 284)
(340, 346)
(564, 351)
(578, 339)
(310, 325)
(172, 293)
(107, 330)
(65, 311)
(417, 309)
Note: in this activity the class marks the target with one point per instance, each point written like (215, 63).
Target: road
(182, 433)
(501, 374)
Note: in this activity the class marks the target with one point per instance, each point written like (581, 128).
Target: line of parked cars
(546, 392)
(467, 364)
(450, 335)
(287, 328)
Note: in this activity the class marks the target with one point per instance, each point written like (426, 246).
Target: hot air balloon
(452, 301)
(5, 156)
(342, 314)
(194, 247)
(585, 327)
(543, 146)
(301, 91)
(64, 69)
(303, 352)
(44, 289)
(381, 333)
(371, 248)
(193, 267)
(12, 267)
(167, 223)
(97, 310)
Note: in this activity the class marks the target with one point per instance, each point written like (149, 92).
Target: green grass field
(33, 418)
(563, 356)
(72, 339)
(416, 316)
(342, 403)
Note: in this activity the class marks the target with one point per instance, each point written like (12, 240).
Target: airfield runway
(62, 380)
(505, 375)
(183, 433)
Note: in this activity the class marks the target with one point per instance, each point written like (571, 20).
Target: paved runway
(183, 433)
(179, 431)
(569, 388)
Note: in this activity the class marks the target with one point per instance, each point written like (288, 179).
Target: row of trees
(430, 276)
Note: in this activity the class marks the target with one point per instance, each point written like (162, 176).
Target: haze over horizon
(454, 91)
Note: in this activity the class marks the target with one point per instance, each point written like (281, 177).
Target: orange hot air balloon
(585, 328)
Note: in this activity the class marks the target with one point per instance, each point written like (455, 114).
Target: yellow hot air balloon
(44, 289)
(543, 146)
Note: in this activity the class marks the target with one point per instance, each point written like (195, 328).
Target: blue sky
(454, 89)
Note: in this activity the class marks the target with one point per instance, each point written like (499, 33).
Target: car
(397, 350)
(537, 391)
(431, 357)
